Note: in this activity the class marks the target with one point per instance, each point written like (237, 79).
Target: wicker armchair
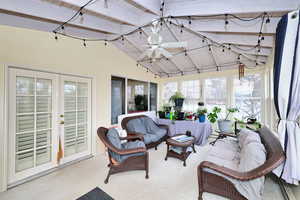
(140, 162)
(212, 183)
(150, 145)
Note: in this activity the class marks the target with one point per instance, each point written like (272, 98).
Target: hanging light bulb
(181, 30)
(190, 20)
(105, 43)
(55, 36)
(182, 73)
(226, 19)
(209, 48)
(63, 30)
(81, 18)
(84, 44)
(229, 46)
(203, 39)
(268, 20)
(223, 50)
(185, 53)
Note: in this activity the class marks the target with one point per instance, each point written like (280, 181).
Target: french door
(46, 111)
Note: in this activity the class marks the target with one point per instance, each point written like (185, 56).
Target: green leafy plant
(230, 111)
(213, 116)
(177, 95)
(201, 111)
(166, 107)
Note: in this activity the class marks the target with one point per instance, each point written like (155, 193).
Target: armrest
(132, 137)
(242, 176)
(128, 151)
(227, 135)
(163, 126)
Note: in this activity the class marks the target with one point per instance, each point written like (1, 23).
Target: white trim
(4, 127)
(3, 123)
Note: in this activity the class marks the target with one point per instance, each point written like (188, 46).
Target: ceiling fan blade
(147, 53)
(157, 53)
(169, 45)
(165, 53)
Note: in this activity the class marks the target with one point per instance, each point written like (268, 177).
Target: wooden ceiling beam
(52, 12)
(152, 6)
(117, 11)
(214, 7)
(239, 39)
(234, 25)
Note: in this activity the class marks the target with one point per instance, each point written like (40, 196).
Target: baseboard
(48, 171)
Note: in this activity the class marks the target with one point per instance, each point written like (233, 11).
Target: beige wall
(39, 50)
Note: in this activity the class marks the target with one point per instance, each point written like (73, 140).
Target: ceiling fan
(156, 48)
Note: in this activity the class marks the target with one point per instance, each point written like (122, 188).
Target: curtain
(287, 94)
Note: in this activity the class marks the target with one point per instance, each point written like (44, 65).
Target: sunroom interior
(149, 99)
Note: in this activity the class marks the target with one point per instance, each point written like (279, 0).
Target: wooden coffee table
(184, 145)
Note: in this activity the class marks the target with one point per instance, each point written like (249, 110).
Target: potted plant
(166, 108)
(177, 99)
(141, 102)
(225, 125)
(201, 114)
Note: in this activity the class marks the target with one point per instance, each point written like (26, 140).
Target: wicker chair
(140, 162)
(150, 145)
(212, 183)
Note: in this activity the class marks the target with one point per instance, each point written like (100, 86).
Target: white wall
(39, 50)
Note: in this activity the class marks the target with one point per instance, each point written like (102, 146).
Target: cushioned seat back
(151, 127)
(114, 138)
(137, 125)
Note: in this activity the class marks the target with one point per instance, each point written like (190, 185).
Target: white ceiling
(109, 19)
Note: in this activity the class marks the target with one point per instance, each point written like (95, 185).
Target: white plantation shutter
(75, 117)
(33, 122)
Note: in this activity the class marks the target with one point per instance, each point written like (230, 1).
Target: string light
(182, 73)
(141, 32)
(105, 43)
(223, 50)
(84, 44)
(198, 71)
(81, 17)
(268, 20)
(55, 36)
(181, 30)
(190, 21)
(217, 68)
(209, 48)
(203, 39)
(185, 53)
(226, 19)
(229, 46)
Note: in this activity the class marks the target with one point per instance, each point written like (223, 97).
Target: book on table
(182, 138)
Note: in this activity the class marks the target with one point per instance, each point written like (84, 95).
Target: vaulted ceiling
(220, 34)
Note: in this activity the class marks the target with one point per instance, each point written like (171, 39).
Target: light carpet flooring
(169, 180)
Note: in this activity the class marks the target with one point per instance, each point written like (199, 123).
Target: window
(153, 96)
(168, 90)
(137, 96)
(247, 96)
(117, 98)
(215, 94)
(191, 91)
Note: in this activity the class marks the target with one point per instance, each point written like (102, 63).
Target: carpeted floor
(169, 180)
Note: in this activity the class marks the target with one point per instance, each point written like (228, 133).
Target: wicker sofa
(152, 133)
(217, 178)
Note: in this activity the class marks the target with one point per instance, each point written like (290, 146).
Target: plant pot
(181, 116)
(201, 118)
(162, 114)
(178, 102)
(225, 126)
